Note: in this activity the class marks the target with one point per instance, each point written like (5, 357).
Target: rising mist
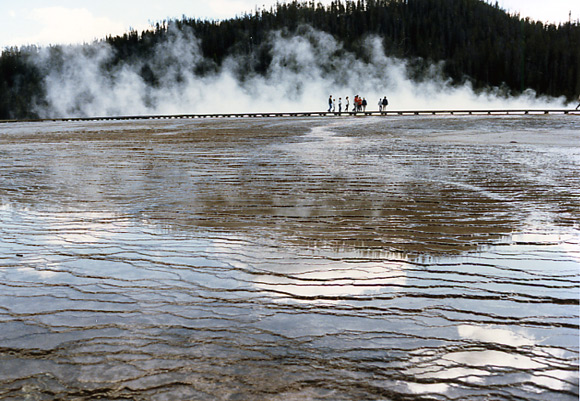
(305, 69)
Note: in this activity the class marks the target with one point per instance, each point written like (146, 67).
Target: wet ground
(399, 258)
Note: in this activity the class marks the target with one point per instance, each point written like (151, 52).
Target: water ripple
(393, 259)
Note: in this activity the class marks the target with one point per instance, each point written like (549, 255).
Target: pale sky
(44, 22)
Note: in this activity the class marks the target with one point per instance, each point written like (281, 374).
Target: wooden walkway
(388, 113)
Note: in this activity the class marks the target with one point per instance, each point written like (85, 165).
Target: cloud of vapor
(306, 67)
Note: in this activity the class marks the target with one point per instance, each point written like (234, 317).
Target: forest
(473, 40)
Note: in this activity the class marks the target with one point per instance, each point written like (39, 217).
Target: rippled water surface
(410, 258)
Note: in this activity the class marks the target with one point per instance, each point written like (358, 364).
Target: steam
(305, 69)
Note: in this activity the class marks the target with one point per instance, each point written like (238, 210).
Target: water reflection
(303, 259)
(88, 294)
(335, 281)
(363, 184)
(489, 357)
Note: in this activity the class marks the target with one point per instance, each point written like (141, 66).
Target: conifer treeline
(475, 41)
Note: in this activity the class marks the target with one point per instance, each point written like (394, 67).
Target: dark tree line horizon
(473, 41)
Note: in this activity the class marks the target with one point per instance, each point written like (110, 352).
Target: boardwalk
(388, 113)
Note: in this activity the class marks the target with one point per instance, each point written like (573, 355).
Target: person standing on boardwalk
(329, 103)
(347, 104)
(380, 105)
(385, 103)
(364, 104)
(333, 105)
(339, 105)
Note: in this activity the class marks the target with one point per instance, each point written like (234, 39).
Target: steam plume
(306, 67)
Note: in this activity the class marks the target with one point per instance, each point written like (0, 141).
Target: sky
(45, 22)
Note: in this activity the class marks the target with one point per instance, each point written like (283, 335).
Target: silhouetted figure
(329, 103)
(578, 103)
(385, 103)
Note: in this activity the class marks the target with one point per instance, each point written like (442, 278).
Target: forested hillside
(472, 40)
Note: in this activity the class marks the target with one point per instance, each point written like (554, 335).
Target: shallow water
(355, 258)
